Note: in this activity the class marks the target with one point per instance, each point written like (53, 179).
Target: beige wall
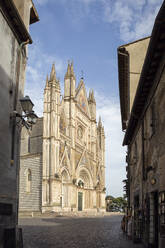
(137, 52)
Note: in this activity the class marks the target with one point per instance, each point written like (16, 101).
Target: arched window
(29, 181)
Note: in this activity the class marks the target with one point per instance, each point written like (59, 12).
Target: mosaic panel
(82, 102)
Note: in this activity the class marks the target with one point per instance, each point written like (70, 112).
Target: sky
(89, 33)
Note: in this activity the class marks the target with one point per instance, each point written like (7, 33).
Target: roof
(10, 13)
(135, 41)
(147, 84)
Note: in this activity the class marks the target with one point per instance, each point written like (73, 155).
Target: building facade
(145, 140)
(62, 158)
(14, 38)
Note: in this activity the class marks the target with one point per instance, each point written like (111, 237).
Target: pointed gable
(65, 161)
(81, 98)
(83, 159)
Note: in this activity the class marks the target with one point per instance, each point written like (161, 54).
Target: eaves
(10, 13)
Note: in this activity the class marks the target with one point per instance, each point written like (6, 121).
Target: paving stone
(75, 232)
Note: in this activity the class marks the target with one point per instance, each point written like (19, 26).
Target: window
(29, 181)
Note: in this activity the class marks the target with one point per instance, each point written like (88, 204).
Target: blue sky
(89, 32)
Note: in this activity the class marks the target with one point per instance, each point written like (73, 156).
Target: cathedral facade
(62, 165)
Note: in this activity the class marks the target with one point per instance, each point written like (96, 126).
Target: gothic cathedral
(62, 165)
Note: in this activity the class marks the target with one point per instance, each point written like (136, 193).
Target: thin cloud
(134, 19)
(38, 67)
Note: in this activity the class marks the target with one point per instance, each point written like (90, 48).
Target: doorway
(80, 201)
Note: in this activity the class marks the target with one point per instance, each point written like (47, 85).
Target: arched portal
(65, 190)
(85, 185)
(84, 177)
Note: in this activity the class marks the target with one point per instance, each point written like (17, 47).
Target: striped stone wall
(30, 201)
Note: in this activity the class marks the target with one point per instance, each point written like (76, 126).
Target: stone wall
(146, 163)
(31, 140)
(10, 74)
(31, 201)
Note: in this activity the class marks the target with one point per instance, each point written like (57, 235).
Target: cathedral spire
(68, 73)
(53, 73)
(92, 97)
(47, 81)
(58, 83)
(89, 98)
(99, 123)
(72, 70)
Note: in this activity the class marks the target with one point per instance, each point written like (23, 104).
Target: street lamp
(29, 118)
(26, 104)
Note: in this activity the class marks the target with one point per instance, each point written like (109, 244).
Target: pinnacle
(67, 75)
(100, 123)
(72, 70)
(89, 98)
(58, 82)
(47, 81)
(53, 73)
(92, 96)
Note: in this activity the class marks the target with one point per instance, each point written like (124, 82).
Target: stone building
(144, 126)
(62, 158)
(15, 17)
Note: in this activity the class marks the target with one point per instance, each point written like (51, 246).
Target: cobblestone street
(74, 232)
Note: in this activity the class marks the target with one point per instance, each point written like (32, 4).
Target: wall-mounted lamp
(26, 104)
(29, 118)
